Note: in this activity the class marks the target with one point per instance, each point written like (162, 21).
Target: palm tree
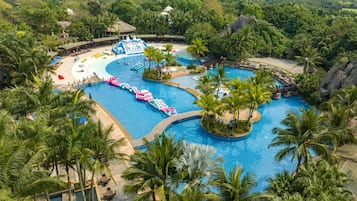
(157, 58)
(339, 122)
(205, 84)
(104, 149)
(198, 47)
(346, 97)
(256, 95)
(264, 78)
(219, 78)
(235, 187)
(153, 171)
(309, 58)
(197, 193)
(74, 149)
(281, 184)
(20, 165)
(149, 52)
(209, 105)
(322, 181)
(304, 133)
(243, 43)
(200, 163)
(234, 103)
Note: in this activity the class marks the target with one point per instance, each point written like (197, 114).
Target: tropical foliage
(237, 95)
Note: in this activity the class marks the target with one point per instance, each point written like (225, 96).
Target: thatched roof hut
(122, 27)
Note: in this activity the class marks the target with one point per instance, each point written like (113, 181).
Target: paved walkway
(160, 127)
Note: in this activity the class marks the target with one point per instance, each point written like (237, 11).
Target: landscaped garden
(44, 142)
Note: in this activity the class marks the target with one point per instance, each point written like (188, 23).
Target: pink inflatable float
(144, 95)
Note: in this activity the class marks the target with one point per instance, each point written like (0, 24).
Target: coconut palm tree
(346, 97)
(209, 105)
(304, 133)
(149, 52)
(256, 95)
(339, 123)
(281, 184)
(309, 58)
(322, 181)
(235, 186)
(153, 171)
(234, 103)
(104, 149)
(264, 78)
(205, 84)
(198, 47)
(20, 165)
(219, 78)
(243, 43)
(157, 58)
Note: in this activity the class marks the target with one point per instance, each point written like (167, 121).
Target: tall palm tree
(235, 186)
(264, 78)
(104, 149)
(219, 78)
(149, 52)
(339, 123)
(74, 147)
(243, 43)
(256, 95)
(234, 103)
(157, 58)
(198, 47)
(303, 134)
(209, 105)
(20, 165)
(205, 84)
(153, 171)
(346, 97)
(309, 58)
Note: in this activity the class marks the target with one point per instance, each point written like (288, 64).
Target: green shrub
(191, 66)
(215, 126)
(150, 74)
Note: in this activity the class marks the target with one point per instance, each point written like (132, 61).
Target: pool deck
(161, 127)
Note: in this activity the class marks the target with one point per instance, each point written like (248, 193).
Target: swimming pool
(139, 118)
(252, 153)
(185, 58)
(191, 80)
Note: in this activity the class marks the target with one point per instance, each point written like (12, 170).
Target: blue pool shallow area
(139, 118)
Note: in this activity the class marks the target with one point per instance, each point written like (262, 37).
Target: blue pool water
(186, 58)
(191, 80)
(55, 60)
(252, 153)
(139, 118)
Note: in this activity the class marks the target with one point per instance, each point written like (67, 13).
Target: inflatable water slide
(144, 95)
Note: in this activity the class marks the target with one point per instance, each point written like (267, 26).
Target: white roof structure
(70, 11)
(167, 9)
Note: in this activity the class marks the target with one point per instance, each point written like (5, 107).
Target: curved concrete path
(160, 127)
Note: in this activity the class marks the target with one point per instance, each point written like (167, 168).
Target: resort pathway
(160, 127)
(282, 64)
